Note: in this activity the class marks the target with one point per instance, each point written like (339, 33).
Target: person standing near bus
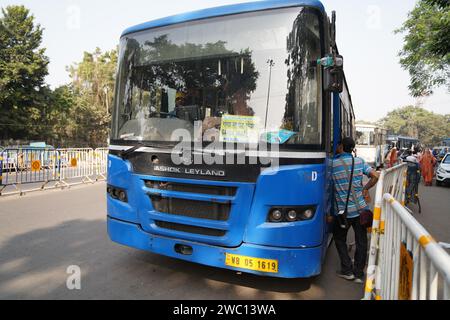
(427, 164)
(388, 158)
(343, 163)
(393, 157)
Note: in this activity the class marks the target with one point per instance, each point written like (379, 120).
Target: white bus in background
(371, 144)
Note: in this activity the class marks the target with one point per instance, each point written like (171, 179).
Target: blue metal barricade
(1, 168)
(22, 166)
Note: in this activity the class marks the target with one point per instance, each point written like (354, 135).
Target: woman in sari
(427, 164)
(391, 158)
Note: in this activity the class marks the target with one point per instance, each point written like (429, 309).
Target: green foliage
(92, 91)
(23, 67)
(412, 121)
(77, 114)
(426, 52)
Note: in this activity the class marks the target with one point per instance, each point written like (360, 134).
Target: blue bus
(229, 77)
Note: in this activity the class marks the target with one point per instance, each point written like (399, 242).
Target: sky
(365, 36)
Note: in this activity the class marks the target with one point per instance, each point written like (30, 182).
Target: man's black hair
(349, 144)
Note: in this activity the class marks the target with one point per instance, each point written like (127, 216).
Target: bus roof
(396, 138)
(364, 125)
(223, 11)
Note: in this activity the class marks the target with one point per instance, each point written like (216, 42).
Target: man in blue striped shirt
(342, 166)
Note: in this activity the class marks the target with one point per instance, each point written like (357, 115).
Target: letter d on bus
(314, 176)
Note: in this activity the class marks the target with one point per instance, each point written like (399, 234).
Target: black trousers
(340, 239)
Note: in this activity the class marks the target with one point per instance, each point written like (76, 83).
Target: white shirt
(412, 159)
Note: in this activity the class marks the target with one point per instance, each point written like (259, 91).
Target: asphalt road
(42, 234)
(435, 215)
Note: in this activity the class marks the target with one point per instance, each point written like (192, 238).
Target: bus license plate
(249, 263)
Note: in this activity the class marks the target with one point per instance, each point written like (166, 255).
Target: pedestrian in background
(427, 164)
(392, 157)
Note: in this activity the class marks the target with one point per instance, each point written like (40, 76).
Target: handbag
(366, 218)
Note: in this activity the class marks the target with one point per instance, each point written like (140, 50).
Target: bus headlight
(117, 193)
(291, 214)
(122, 196)
(276, 216)
(307, 214)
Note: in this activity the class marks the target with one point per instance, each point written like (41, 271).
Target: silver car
(443, 171)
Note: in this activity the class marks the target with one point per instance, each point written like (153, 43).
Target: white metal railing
(101, 163)
(404, 260)
(411, 263)
(391, 181)
(76, 164)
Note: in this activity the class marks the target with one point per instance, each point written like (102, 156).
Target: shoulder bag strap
(350, 187)
(355, 199)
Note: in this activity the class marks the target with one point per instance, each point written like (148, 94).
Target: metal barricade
(391, 181)
(101, 163)
(1, 168)
(76, 166)
(28, 166)
(412, 265)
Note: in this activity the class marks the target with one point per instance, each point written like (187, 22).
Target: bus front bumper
(292, 263)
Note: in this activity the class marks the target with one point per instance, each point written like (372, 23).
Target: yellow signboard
(406, 274)
(36, 165)
(240, 129)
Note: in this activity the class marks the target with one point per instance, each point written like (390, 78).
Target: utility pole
(271, 65)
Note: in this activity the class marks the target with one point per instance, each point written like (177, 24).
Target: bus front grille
(190, 229)
(191, 188)
(192, 208)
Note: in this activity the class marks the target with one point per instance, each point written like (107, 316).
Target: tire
(438, 183)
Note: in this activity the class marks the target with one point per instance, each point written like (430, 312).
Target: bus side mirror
(333, 73)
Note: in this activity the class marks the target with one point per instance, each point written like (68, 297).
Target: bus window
(372, 138)
(305, 115)
(365, 137)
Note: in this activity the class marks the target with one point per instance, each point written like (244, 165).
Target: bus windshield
(365, 137)
(238, 79)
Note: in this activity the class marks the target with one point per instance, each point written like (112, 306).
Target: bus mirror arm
(333, 63)
(333, 30)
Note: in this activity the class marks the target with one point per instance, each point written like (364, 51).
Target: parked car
(443, 171)
(444, 151)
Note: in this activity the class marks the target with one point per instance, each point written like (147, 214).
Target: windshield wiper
(125, 153)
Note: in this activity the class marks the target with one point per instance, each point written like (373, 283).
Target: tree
(92, 90)
(426, 52)
(23, 67)
(417, 122)
(57, 126)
